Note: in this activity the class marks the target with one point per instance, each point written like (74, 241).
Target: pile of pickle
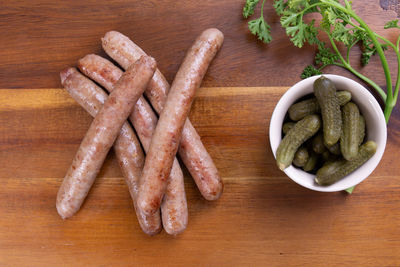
(325, 135)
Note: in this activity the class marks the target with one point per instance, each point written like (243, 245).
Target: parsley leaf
(325, 56)
(298, 34)
(366, 55)
(342, 34)
(392, 24)
(261, 29)
(299, 31)
(279, 6)
(350, 190)
(296, 4)
(368, 48)
(311, 33)
(328, 18)
(249, 7)
(309, 71)
(289, 19)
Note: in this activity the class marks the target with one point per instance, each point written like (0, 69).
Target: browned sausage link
(165, 141)
(124, 51)
(174, 205)
(101, 135)
(127, 148)
(191, 149)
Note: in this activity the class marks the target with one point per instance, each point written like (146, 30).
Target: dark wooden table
(263, 218)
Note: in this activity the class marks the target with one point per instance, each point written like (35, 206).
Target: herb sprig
(342, 25)
(257, 26)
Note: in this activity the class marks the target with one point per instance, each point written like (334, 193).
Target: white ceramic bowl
(375, 130)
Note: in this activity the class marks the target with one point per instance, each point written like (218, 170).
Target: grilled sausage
(165, 141)
(101, 135)
(174, 205)
(191, 149)
(127, 147)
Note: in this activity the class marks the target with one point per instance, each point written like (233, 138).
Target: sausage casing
(101, 135)
(174, 205)
(192, 151)
(127, 147)
(165, 141)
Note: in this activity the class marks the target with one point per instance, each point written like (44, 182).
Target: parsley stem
(354, 25)
(339, 65)
(368, 81)
(348, 51)
(378, 46)
(388, 110)
(322, 67)
(307, 8)
(304, 10)
(386, 41)
(396, 50)
(347, 66)
(389, 102)
(398, 43)
(262, 9)
(379, 49)
(337, 50)
(397, 86)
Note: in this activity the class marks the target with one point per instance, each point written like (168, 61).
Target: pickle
(325, 92)
(296, 136)
(311, 162)
(343, 97)
(329, 168)
(310, 106)
(330, 173)
(349, 140)
(326, 155)
(303, 108)
(287, 126)
(335, 149)
(318, 144)
(301, 157)
(361, 130)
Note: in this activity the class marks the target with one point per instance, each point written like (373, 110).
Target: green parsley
(249, 7)
(342, 25)
(258, 26)
(392, 24)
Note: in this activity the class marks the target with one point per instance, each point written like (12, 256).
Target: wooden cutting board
(262, 218)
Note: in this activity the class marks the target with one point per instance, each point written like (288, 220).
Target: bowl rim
(300, 176)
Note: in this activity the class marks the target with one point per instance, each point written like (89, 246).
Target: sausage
(165, 141)
(192, 151)
(174, 205)
(127, 147)
(101, 135)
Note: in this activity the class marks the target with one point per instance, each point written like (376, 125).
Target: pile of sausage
(155, 182)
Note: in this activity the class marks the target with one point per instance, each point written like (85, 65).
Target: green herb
(258, 26)
(350, 190)
(249, 7)
(392, 24)
(309, 71)
(342, 25)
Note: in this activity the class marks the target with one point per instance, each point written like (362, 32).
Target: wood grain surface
(41, 37)
(262, 219)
